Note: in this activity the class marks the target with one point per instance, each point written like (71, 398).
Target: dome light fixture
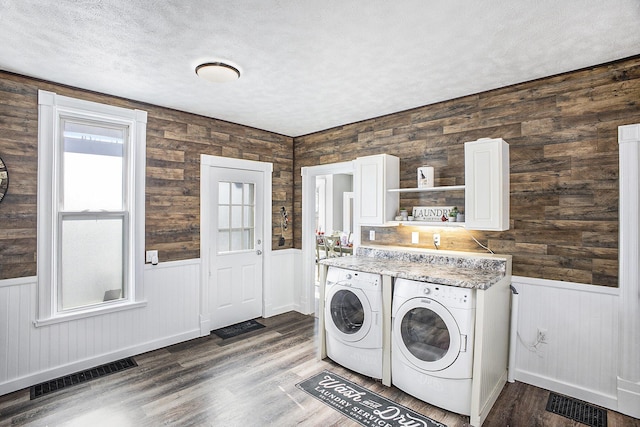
(218, 72)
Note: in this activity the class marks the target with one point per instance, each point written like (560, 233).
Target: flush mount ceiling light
(218, 72)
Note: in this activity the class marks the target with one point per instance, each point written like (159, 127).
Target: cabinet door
(486, 167)
(374, 176)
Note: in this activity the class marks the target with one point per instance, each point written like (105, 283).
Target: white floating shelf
(426, 189)
(427, 223)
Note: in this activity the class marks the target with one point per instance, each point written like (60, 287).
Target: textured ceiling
(309, 65)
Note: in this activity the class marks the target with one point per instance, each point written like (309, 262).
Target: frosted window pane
(248, 194)
(223, 241)
(223, 193)
(236, 216)
(92, 167)
(236, 193)
(248, 216)
(92, 262)
(248, 238)
(236, 240)
(223, 217)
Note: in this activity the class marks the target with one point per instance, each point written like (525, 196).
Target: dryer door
(347, 313)
(427, 334)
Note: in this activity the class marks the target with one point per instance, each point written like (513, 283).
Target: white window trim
(50, 107)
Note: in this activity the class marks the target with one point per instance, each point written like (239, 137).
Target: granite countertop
(448, 269)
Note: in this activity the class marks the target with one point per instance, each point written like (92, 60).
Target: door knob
(258, 252)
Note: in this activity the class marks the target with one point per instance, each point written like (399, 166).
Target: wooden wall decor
(175, 141)
(562, 132)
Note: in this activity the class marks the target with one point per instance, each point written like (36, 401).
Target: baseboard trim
(270, 312)
(300, 308)
(205, 325)
(629, 398)
(42, 376)
(597, 398)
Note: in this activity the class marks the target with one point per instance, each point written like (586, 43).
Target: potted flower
(453, 214)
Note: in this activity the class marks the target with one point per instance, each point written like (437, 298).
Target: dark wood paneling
(562, 133)
(175, 141)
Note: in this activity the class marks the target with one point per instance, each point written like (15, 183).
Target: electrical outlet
(152, 256)
(436, 239)
(415, 237)
(372, 234)
(542, 335)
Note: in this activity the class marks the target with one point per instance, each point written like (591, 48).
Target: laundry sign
(361, 405)
(431, 213)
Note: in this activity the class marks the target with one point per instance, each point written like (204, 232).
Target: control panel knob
(349, 276)
(426, 291)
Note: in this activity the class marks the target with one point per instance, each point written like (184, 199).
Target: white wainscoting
(286, 276)
(581, 322)
(29, 355)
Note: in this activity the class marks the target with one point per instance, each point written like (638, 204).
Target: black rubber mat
(237, 329)
(47, 387)
(577, 410)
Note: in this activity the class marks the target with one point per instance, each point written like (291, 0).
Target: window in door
(236, 216)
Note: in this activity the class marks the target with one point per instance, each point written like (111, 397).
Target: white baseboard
(600, 399)
(81, 365)
(205, 325)
(629, 398)
(301, 308)
(274, 311)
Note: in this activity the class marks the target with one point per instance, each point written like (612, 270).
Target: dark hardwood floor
(248, 380)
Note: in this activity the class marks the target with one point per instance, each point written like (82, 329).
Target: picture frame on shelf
(425, 177)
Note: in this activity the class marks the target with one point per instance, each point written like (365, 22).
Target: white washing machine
(432, 343)
(353, 320)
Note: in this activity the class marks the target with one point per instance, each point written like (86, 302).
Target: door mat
(577, 410)
(237, 329)
(47, 387)
(361, 405)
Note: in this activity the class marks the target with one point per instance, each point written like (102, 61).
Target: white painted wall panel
(286, 276)
(579, 358)
(29, 355)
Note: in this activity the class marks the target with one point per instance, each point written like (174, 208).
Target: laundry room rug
(361, 405)
(237, 329)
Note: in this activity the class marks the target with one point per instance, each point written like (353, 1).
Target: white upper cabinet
(374, 175)
(486, 175)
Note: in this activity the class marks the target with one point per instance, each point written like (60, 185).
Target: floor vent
(42, 389)
(577, 410)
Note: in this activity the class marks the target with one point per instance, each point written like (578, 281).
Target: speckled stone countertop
(463, 270)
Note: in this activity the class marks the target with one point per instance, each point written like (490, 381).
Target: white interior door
(236, 246)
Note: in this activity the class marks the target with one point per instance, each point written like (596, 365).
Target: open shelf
(426, 189)
(427, 223)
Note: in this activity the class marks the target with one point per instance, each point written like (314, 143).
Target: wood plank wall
(562, 133)
(175, 141)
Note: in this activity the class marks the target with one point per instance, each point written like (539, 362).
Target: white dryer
(353, 320)
(432, 343)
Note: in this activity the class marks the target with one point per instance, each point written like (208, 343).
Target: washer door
(347, 313)
(427, 334)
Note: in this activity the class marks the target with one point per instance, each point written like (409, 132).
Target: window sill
(89, 313)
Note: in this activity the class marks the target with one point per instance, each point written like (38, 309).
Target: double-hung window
(91, 165)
